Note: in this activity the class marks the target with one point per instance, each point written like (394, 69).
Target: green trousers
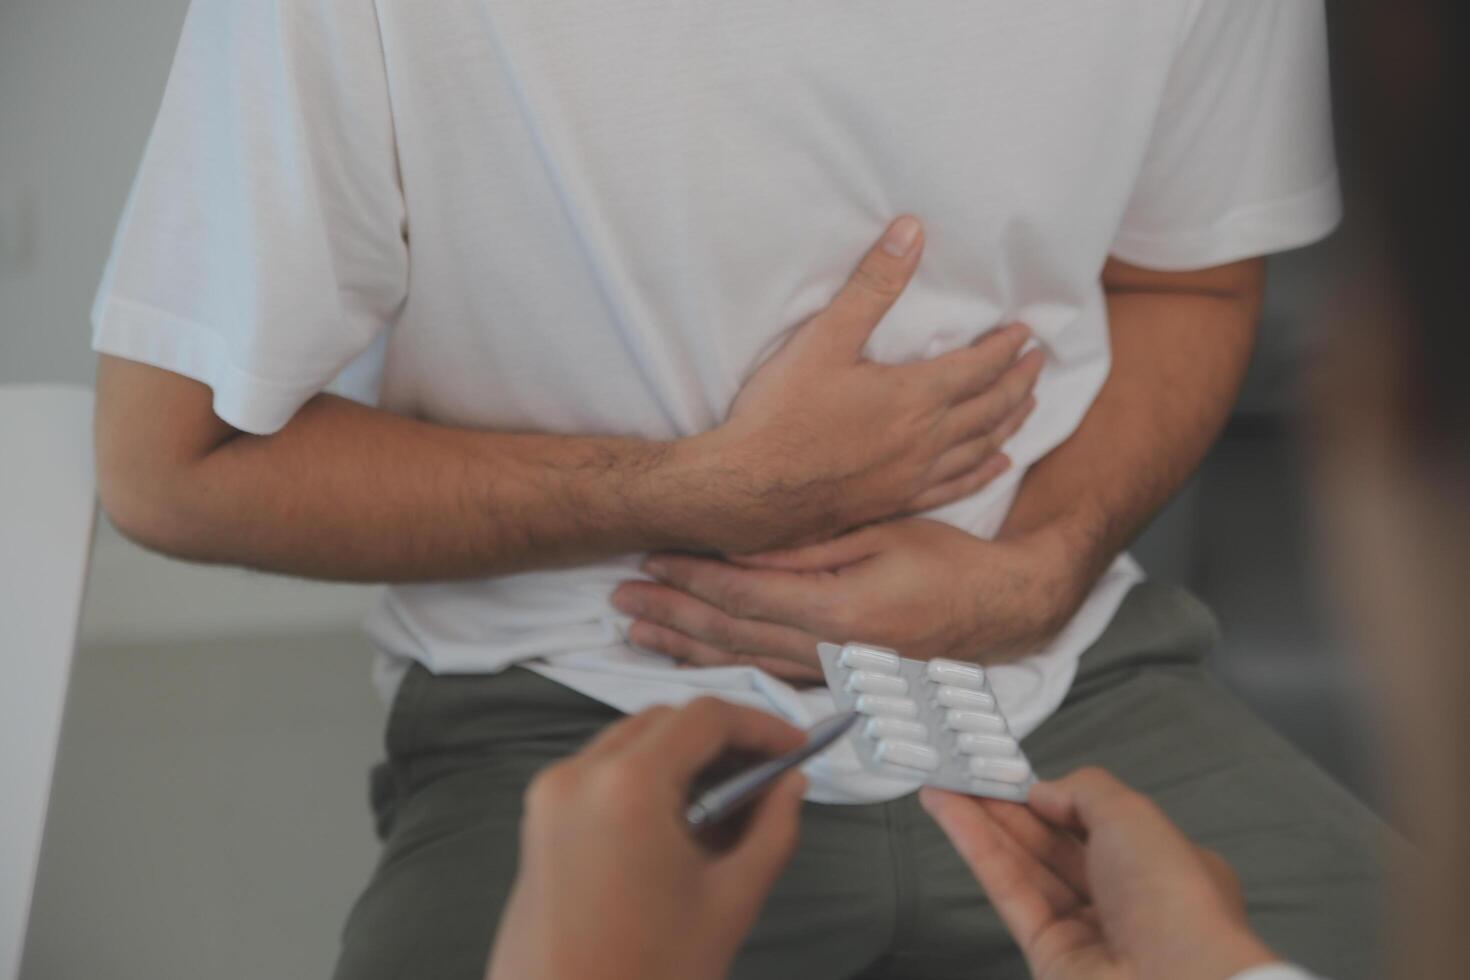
(877, 891)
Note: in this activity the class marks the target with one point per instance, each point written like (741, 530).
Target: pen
(724, 799)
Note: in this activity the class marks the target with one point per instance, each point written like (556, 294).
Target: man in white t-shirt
(626, 426)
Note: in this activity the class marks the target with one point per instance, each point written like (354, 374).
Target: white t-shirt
(598, 218)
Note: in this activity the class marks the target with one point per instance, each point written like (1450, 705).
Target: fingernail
(655, 567)
(1020, 331)
(902, 236)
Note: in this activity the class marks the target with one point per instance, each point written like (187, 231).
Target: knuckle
(742, 642)
(648, 636)
(836, 616)
(616, 786)
(721, 632)
(655, 606)
(1092, 778)
(736, 599)
(680, 647)
(978, 452)
(972, 482)
(989, 358)
(1017, 387)
(926, 501)
(873, 277)
(706, 709)
(1011, 422)
(991, 409)
(981, 405)
(925, 395)
(553, 788)
(1097, 789)
(687, 578)
(993, 353)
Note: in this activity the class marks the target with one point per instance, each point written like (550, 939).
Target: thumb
(1083, 800)
(871, 290)
(824, 556)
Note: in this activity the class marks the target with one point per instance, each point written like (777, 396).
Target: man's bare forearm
(394, 499)
(348, 492)
(1181, 343)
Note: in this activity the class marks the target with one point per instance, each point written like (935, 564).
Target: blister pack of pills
(935, 720)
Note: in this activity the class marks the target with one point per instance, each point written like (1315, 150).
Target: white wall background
(79, 83)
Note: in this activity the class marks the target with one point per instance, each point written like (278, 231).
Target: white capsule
(877, 704)
(959, 697)
(910, 731)
(973, 743)
(867, 682)
(955, 673)
(857, 657)
(1000, 770)
(910, 754)
(960, 720)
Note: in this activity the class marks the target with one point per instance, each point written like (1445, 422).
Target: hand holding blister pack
(937, 720)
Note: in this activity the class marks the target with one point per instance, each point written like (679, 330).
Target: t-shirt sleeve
(264, 244)
(1241, 160)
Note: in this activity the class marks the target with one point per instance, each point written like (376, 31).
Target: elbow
(147, 506)
(136, 513)
(154, 433)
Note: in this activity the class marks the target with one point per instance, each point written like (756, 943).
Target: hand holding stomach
(821, 440)
(921, 587)
(825, 440)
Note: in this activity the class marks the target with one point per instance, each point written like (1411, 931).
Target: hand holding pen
(661, 903)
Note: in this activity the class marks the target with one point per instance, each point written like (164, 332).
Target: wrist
(1226, 958)
(1082, 526)
(694, 496)
(718, 495)
(599, 496)
(1068, 562)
